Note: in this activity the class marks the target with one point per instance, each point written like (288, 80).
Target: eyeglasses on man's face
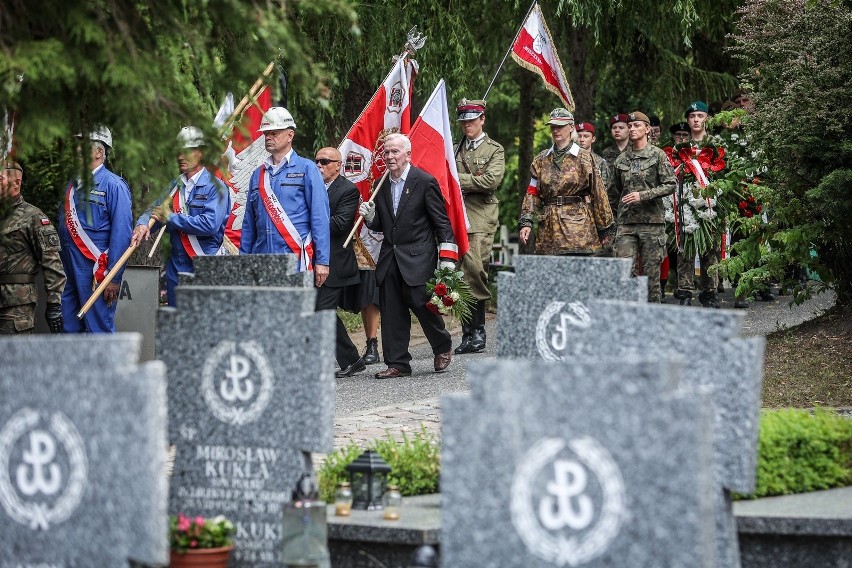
(325, 161)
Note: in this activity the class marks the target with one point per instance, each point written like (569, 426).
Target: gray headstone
(730, 367)
(251, 394)
(82, 452)
(540, 281)
(248, 270)
(590, 463)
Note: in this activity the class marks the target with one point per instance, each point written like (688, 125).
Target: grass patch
(415, 464)
(811, 364)
(352, 322)
(801, 451)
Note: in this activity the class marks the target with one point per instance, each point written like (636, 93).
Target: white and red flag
(246, 151)
(534, 50)
(432, 150)
(388, 111)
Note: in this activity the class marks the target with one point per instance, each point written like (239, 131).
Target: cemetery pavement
(366, 408)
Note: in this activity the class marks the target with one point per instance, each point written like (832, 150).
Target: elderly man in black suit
(343, 200)
(410, 210)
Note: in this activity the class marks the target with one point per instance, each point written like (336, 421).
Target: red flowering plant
(449, 294)
(186, 533)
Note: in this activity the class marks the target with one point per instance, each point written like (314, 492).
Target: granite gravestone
(248, 270)
(592, 463)
(82, 452)
(251, 394)
(730, 367)
(540, 283)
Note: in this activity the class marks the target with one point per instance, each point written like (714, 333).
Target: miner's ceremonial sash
(81, 239)
(190, 242)
(285, 227)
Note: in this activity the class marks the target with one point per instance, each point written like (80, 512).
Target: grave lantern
(305, 531)
(368, 476)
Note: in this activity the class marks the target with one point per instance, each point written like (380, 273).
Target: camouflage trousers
(17, 319)
(475, 264)
(686, 272)
(647, 241)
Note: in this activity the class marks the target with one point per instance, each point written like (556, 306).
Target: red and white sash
(190, 242)
(81, 239)
(285, 227)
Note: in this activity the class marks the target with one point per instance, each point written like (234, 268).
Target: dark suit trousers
(395, 299)
(328, 298)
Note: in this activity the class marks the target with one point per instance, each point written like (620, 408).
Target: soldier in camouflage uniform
(618, 129)
(566, 187)
(480, 163)
(585, 139)
(28, 241)
(642, 177)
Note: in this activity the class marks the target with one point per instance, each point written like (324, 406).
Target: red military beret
(618, 118)
(586, 127)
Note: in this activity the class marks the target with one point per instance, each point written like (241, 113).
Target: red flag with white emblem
(534, 50)
(432, 150)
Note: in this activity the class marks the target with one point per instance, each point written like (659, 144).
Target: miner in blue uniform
(95, 226)
(194, 212)
(287, 209)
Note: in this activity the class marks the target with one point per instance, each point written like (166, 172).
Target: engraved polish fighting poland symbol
(577, 315)
(43, 468)
(236, 382)
(563, 524)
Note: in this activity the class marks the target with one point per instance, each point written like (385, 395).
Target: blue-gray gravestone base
(596, 462)
(251, 394)
(82, 452)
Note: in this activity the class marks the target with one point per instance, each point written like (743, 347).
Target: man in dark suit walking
(343, 200)
(410, 210)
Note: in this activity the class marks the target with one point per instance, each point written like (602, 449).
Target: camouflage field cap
(468, 110)
(636, 115)
(560, 117)
(696, 106)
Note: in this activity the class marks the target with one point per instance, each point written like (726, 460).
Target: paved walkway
(366, 408)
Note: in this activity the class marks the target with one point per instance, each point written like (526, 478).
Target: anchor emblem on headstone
(237, 382)
(565, 525)
(38, 494)
(577, 315)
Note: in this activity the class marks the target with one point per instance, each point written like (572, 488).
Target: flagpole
(511, 45)
(361, 218)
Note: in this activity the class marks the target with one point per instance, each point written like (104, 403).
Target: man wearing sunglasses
(343, 198)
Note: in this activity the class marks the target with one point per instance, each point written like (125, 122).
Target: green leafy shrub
(415, 464)
(800, 451)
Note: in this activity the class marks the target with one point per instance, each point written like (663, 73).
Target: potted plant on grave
(200, 542)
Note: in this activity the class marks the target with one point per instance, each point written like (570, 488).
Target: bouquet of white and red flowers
(449, 294)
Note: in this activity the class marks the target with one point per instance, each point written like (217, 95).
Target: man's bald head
(328, 161)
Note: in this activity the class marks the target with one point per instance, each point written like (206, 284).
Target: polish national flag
(432, 150)
(246, 151)
(389, 110)
(534, 50)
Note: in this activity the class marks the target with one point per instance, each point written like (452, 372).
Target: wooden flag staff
(360, 218)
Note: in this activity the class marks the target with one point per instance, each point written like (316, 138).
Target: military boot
(684, 296)
(371, 355)
(709, 299)
(464, 347)
(477, 339)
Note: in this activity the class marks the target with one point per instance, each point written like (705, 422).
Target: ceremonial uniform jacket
(105, 213)
(28, 241)
(301, 192)
(204, 218)
(647, 171)
(481, 172)
(567, 226)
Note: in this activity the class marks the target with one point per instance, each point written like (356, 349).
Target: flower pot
(202, 558)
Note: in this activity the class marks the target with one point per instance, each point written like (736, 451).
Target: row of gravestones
(613, 437)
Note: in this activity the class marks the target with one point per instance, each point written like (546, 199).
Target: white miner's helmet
(190, 137)
(101, 134)
(277, 118)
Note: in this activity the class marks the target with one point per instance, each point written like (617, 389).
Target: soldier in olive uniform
(28, 241)
(567, 195)
(642, 177)
(618, 129)
(480, 163)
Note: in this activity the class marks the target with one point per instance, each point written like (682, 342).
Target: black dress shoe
(442, 361)
(371, 355)
(355, 367)
(391, 373)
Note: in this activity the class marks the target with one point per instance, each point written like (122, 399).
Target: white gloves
(368, 211)
(447, 264)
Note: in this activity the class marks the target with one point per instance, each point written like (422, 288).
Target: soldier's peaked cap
(468, 109)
